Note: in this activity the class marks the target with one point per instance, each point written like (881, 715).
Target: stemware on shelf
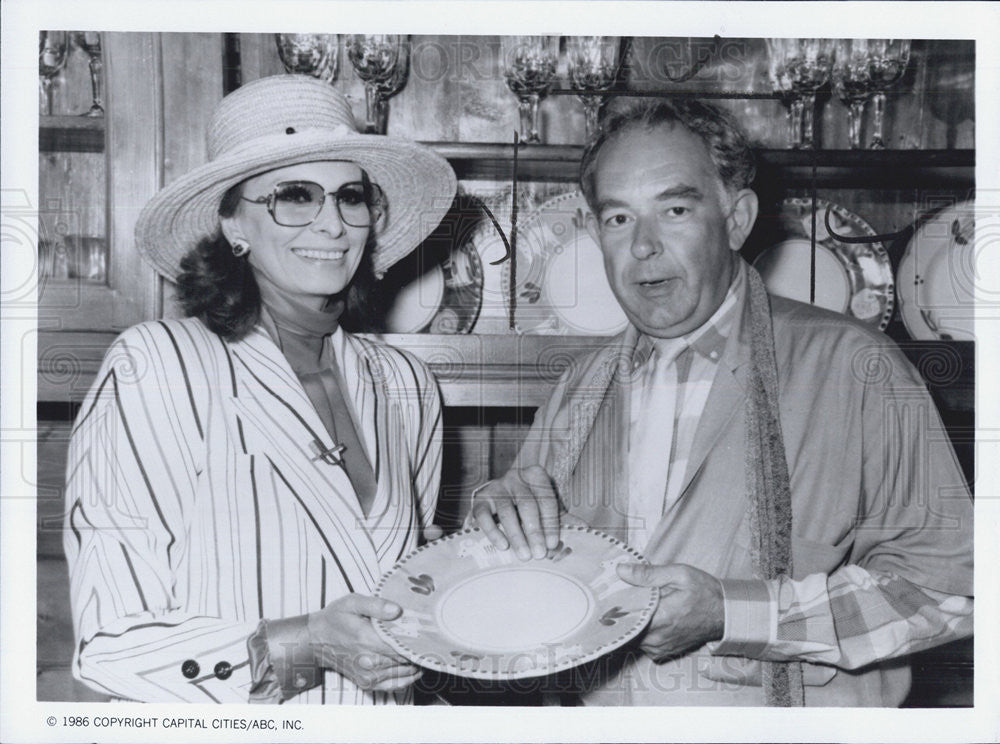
(887, 62)
(90, 42)
(528, 64)
(382, 62)
(592, 66)
(852, 82)
(797, 69)
(52, 48)
(309, 54)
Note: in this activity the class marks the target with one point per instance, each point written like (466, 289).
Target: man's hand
(691, 612)
(525, 504)
(344, 640)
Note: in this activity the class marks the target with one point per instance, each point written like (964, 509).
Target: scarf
(767, 483)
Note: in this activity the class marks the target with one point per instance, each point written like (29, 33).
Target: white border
(23, 718)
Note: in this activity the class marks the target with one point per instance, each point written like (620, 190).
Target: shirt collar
(709, 339)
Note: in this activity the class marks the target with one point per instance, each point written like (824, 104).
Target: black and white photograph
(552, 387)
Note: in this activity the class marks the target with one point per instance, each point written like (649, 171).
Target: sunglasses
(299, 203)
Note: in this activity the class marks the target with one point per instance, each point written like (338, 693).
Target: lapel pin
(331, 456)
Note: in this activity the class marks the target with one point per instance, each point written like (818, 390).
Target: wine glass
(309, 54)
(51, 59)
(90, 42)
(797, 69)
(852, 82)
(887, 62)
(382, 62)
(528, 64)
(592, 67)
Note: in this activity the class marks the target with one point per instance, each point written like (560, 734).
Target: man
(781, 467)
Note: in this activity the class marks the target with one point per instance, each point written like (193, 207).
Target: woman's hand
(433, 532)
(344, 640)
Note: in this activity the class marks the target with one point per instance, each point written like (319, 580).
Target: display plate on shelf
(851, 278)
(937, 277)
(561, 284)
(474, 611)
(429, 294)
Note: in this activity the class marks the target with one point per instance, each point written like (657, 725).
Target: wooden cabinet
(96, 174)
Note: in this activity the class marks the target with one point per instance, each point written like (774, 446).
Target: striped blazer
(197, 505)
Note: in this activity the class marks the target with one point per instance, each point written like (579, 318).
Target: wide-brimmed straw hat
(283, 120)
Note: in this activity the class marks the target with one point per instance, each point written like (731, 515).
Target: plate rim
(643, 619)
(533, 222)
(920, 330)
(804, 203)
(449, 292)
(826, 249)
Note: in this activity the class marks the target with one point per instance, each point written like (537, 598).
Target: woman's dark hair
(220, 289)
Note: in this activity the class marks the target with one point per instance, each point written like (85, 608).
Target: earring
(240, 248)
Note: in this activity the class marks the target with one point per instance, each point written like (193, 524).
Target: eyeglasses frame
(376, 204)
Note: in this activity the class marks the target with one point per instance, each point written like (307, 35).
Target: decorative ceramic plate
(851, 278)
(561, 285)
(474, 611)
(436, 294)
(937, 277)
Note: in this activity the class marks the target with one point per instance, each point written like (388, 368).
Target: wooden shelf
(560, 163)
(508, 371)
(869, 169)
(71, 134)
(848, 168)
(493, 162)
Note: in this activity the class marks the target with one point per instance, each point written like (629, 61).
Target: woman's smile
(320, 254)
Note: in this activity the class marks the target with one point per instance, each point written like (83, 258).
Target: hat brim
(418, 183)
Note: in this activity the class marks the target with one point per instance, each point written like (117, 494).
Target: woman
(239, 480)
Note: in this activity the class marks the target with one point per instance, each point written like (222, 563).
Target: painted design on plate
(613, 615)
(561, 284)
(492, 616)
(937, 275)
(851, 278)
(422, 584)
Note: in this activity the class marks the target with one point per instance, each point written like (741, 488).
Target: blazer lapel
(392, 521)
(723, 409)
(725, 404)
(264, 376)
(281, 424)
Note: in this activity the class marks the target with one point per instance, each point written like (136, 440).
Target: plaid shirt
(654, 486)
(847, 619)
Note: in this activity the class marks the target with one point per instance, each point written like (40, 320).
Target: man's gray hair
(725, 140)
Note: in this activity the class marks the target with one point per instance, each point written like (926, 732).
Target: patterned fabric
(692, 360)
(196, 506)
(848, 619)
(651, 439)
(769, 497)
